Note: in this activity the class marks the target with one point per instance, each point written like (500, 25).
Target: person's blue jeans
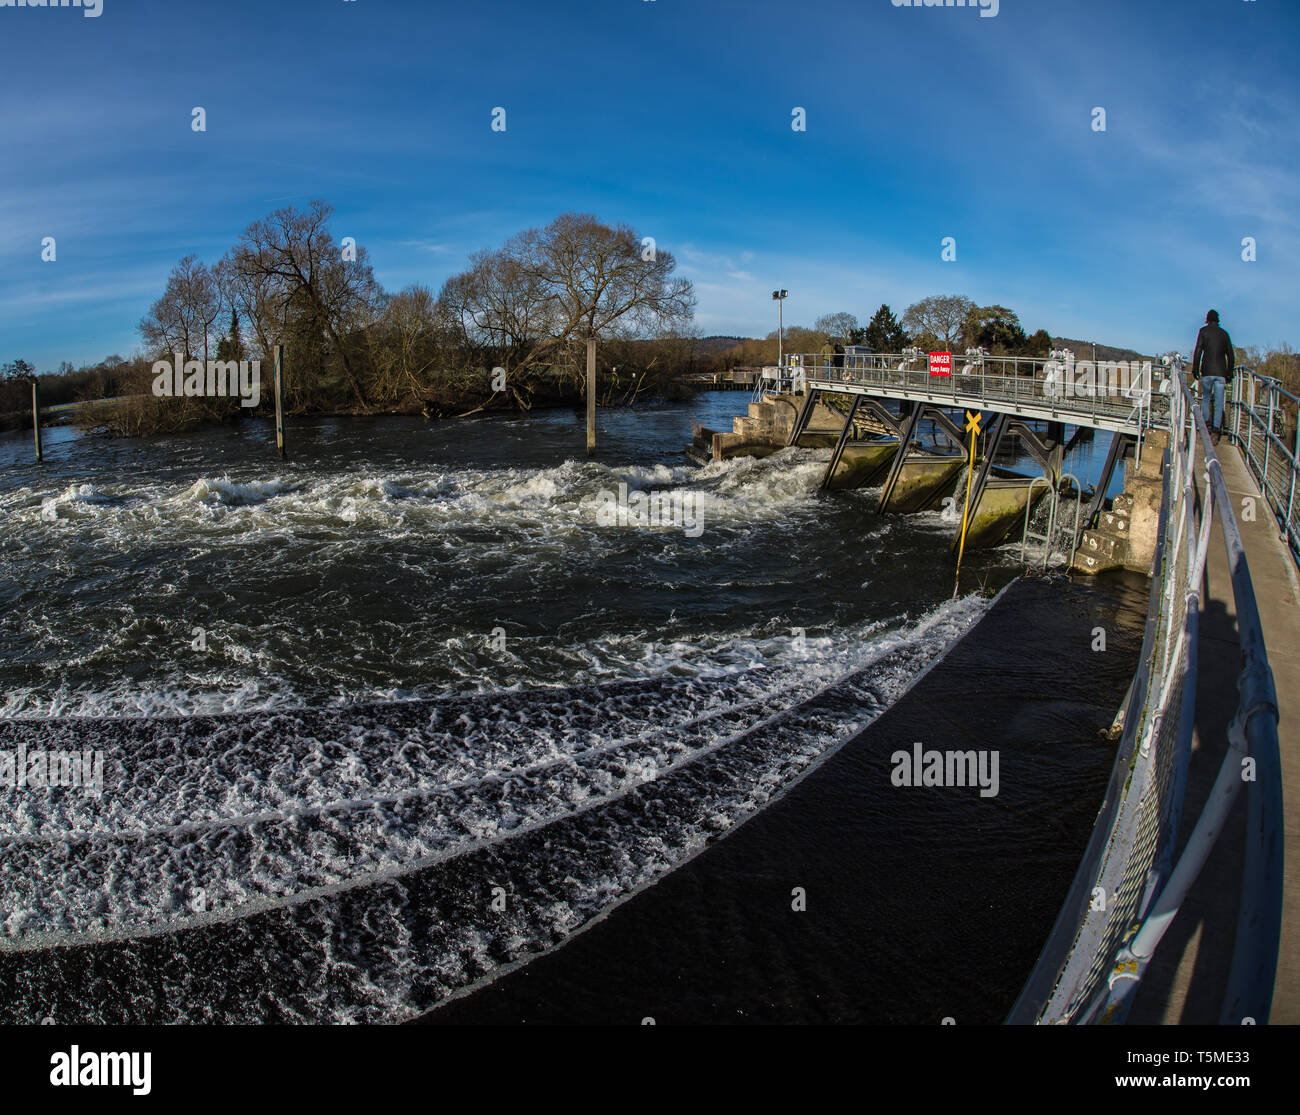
(1212, 389)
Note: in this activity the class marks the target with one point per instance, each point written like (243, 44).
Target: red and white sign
(941, 363)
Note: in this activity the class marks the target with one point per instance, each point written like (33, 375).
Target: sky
(675, 117)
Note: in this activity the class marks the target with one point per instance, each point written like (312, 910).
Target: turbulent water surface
(383, 718)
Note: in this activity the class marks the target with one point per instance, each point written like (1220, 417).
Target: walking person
(1213, 365)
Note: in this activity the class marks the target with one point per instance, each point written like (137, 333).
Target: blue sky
(675, 117)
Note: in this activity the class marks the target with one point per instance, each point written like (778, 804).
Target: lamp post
(779, 296)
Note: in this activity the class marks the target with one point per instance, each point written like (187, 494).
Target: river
(416, 658)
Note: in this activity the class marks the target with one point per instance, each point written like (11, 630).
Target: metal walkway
(1147, 853)
(1108, 395)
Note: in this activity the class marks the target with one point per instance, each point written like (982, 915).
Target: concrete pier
(1125, 537)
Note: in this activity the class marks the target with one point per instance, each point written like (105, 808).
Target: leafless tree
(941, 315)
(184, 319)
(297, 267)
(546, 289)
(842, 324)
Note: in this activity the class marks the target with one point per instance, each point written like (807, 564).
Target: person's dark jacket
(1213, 355)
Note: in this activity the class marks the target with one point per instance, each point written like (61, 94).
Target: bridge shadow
(1186, 979)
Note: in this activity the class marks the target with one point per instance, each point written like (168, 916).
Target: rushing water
(342, 699)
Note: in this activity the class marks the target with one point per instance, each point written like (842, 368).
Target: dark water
(506, 686)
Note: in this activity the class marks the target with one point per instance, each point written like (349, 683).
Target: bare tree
(404, 343)
(601, 280)
(842, 324)
(941, 314)
(530, 301)
(297, 267)
(184, 319)
(502, 310)
(251, 298)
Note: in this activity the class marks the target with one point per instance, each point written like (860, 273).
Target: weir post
(591, 396)
(36, 417)
(278, 376)
(992, 440)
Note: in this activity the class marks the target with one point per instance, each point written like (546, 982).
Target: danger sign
(941, 363)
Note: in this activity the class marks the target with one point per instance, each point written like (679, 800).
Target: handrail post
(1295, 467)
(1272, 397)
(1250, 422)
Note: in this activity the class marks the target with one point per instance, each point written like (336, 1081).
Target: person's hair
(1213, 315)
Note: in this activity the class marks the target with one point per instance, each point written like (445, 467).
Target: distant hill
(711, 346)
(1083, 350)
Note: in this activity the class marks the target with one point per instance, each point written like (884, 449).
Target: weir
(871, 410)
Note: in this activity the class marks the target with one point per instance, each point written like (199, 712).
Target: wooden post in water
(591, 396)
(278, 375)
(36, 417)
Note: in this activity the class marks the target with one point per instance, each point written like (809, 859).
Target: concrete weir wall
(1001, 511)
(923, 482)
(1125, 536)
(766, 428)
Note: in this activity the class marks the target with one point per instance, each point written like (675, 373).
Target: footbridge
(1030, 399)
(1105, 395)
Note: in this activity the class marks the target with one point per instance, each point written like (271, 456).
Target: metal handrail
(1095, 959)
(1123, 393)
(1275, 466)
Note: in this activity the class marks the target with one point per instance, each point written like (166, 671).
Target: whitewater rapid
(373, 732)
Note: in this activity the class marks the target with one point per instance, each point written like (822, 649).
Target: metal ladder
(1047, 538)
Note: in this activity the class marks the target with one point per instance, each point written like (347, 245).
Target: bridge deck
(1199, 943)
(1027, 396)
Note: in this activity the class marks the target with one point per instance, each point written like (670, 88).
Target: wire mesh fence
(1130, 885)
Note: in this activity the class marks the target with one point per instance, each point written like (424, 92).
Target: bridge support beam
(805, 413)
(838, 451)
(1048, 451)
(879, 411)
(947, 425)
(1118, 449)
(896, 469)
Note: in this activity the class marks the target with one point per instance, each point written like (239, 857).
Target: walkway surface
(1185, 980)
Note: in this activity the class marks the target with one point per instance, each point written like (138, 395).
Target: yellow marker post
(973, 425)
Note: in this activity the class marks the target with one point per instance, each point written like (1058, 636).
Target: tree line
(938, 323)
(509, 332)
